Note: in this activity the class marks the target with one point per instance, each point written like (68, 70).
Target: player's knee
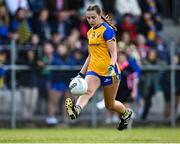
(89, 93)
(109, 106)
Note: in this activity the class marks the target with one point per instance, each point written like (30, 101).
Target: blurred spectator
(78, 57)
(152, 6)
(127, 45)
(55, 39)
(20, 27)
(128, 6)
(83, 27)
(151, 81)
(133, 54)
(58, 82)
(142, 48)
(44, 74)
(62, 56)
(73, 41)
(42, 26)
(163, 51)
(128, 89)
(4, 24)
(14, 5)
(159, 25)
(129, 26)
(63, 24)
(135, 63)
(147, 27)
(125, 41)
(28, 84)
(35, 44)
(133, 57)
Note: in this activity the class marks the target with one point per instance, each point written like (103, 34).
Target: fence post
(172, 87)
(13, 83)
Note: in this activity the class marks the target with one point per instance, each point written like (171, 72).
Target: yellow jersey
(98, 49)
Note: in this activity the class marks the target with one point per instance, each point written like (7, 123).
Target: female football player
(100, 67)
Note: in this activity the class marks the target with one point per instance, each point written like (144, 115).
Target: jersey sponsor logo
(93, 44)
(107, 80)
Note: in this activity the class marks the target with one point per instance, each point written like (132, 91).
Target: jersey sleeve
(109, 34)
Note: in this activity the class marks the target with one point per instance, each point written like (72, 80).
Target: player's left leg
(110, 92)
(75, 109)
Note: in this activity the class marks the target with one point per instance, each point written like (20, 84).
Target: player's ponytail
(104, 18)
(108, 21)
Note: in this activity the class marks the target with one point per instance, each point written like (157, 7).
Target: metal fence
(13, 67)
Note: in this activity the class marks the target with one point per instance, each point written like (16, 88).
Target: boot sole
(69, 107)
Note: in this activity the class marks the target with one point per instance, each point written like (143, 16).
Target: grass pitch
(88, 135)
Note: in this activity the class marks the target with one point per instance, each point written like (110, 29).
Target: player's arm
(113, 51)
(109, 37)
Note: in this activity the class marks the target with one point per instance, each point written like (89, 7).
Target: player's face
(93, 18)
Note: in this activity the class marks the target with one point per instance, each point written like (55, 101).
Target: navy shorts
(105, 80)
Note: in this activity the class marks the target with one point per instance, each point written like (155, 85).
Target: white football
(78, 86)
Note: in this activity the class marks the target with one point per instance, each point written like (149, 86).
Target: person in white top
(128, 6)
(13, 5)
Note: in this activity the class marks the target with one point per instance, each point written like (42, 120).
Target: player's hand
(80, 75)
(111, 70)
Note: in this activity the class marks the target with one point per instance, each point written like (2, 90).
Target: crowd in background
(54, 33)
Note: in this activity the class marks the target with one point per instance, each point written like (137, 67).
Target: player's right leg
(110, 92)
(75, 109)
(125, 120)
